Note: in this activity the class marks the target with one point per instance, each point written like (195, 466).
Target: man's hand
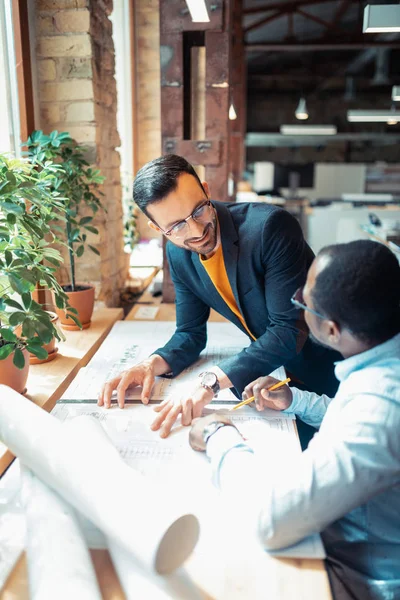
(142, 374)
(196, 435)
(280, 399)
(189, 407)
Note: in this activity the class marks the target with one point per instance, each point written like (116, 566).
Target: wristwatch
(211, 428)
(209, 381)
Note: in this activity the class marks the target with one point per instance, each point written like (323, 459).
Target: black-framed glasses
(298, 300)
(201, 214)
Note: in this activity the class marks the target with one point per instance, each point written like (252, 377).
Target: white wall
(330, 180)
(340, 223)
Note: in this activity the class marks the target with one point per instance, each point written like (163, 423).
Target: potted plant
(28, 204)
(78, 184)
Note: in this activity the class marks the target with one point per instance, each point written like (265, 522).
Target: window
(9, 113)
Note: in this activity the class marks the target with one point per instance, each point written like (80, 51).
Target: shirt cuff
(223, 440)
(297, 401)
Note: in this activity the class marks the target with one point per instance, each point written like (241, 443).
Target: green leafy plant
(77, 183)
(28, 205)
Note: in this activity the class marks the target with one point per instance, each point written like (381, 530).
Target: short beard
(210, 245)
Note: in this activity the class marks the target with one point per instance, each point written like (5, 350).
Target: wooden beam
(341, 10)
(264, 21)
(282, 6)
(23, 68)
(316, 46)
(311, 17)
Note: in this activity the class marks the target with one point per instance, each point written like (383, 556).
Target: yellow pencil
(270, 389)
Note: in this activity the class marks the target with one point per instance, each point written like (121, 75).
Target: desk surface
(48, 381)
(289, 578)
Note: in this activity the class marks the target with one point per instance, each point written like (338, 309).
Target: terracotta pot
(50, 347)
(83, 301)
(12, 376)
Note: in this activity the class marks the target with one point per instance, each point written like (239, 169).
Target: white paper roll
(137, 582)
(86, 470)
(59, 563)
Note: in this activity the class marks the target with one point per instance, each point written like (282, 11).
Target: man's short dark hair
(360, 290)
(159, 178)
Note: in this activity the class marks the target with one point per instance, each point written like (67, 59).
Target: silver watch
(211, 428)
(209, 381)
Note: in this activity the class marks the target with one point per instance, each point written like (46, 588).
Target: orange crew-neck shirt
(216, 270)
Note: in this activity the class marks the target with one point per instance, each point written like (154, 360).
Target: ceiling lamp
(308, 130)
(232, 113)
(301, 112)
(198, 11)
(396, 93)
(381, 17)
(372, 116)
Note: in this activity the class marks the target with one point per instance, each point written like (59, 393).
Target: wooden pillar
(185, 115)
(238, 97)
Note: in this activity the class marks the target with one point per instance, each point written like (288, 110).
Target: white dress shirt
(345, 485)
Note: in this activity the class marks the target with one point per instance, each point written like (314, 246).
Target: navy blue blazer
(266, 259)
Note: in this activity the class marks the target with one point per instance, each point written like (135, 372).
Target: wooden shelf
(47, 382)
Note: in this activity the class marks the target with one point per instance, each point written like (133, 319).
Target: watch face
(209, 379)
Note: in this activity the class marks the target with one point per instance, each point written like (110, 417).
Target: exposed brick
(44, 25)
(75, 68)
(72, 21)
(46, 69)
(60, 4)
(115, 159)
(83, 135)
(71, 45)
(50, 114)
(66, 90)
(79, 111)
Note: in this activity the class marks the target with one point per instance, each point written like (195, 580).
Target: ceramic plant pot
(83, 301)
(12, 376)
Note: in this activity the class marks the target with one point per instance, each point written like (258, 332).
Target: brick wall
(77, 93)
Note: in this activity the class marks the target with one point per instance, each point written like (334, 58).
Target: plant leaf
(6, 351)
(93, 249)
(19, 358)
(27, 300)
(7, 335)
(16, 318)
(38, 351)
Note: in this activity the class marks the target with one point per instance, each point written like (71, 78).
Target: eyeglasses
(201, 214)
(298, 300)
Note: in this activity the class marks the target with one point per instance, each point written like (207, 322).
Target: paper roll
(59, 563)
(137, 582)
(78, 460)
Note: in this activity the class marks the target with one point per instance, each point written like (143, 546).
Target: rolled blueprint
(87, 471)
(137, 582)
(59, 563)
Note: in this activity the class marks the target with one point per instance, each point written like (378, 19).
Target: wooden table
(48, 381)
(300, 579)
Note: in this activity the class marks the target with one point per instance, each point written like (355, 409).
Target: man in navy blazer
(265, 258)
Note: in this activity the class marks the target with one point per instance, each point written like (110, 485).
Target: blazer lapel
(229, 240)
(230, 247)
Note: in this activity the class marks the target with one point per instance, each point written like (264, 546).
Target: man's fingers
(121, 389)
(247, 392)
(107, 392)
(162, 413)
(187, 412)
(170, 420)
(147, 387)
(197, 410)
(258, 397)
(158, 407)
